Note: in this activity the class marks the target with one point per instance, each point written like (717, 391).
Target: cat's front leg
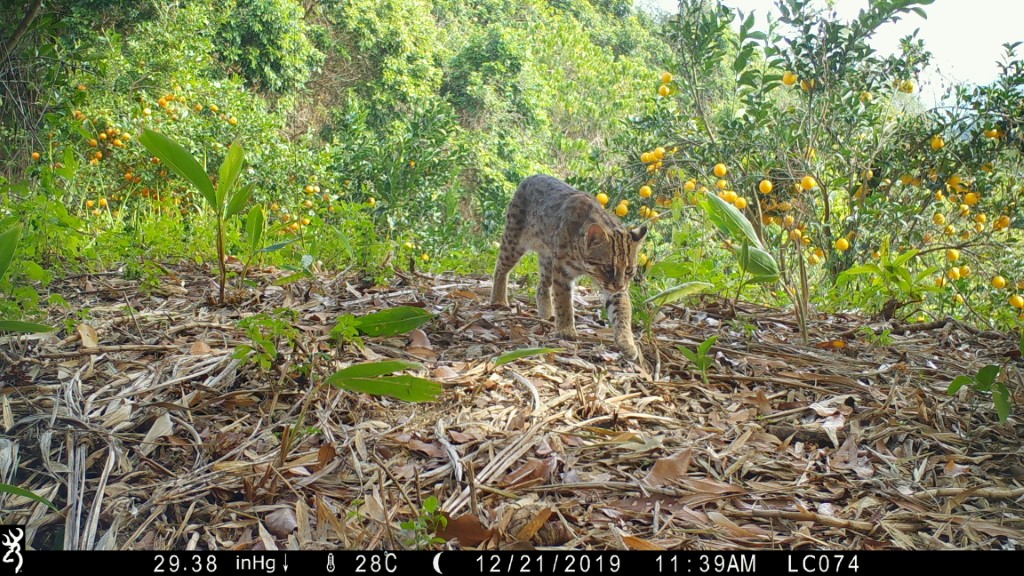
(544, 307)
(565, 324)
(620, 315)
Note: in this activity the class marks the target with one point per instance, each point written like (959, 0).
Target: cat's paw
(567, 333)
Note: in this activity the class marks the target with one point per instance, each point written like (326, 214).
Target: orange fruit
(765, 187)
(952, 254)
(602, 198)
(937, 142)
(999, 282)
(842, 244)
(720, 170)
(621, 210)
(808, 182)
(1017, 301)
(645, 192)
(666, 77)
(789, 78)
(740, 203)
(664, 90)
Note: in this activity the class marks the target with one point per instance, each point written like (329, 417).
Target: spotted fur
(573, 235)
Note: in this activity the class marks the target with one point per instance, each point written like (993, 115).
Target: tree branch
(19, 32)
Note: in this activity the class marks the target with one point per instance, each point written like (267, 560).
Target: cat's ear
(596, 234)
(638, 234)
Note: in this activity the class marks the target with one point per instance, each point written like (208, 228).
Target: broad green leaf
(678, 292)
(239, 199)
(279, 245)
(254, 227)
(229, 171)
(178, 159)
(408, 388)
(987, 375)
(393, 321)
(690, 354)
(27, 494)
(902, 258)
(24, 327)
(760, 264)
(730, 220)
(858, 270)
(706, 345)
(8, 244)
(1001, 398)
(523, 353)
(958, 383)
(374, 369)
(291, 278)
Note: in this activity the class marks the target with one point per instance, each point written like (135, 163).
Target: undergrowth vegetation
(390, 135)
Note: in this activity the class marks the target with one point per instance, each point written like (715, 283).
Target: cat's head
(610, 255)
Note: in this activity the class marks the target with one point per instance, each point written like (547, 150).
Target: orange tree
(853, 186)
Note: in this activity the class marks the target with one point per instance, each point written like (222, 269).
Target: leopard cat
(573, 236)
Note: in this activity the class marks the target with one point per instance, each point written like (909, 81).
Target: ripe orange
(765, 187)
(103, 202)
(35, 155)
(722, 184)
(937, 142)
(645, 192)
(808, 182)
(658, 153)
(603, 199)
(789, 78)
(646, 158)
(720, 170)
(959, 299)
(690, 185)
(965, 271)
(999, 282)
(621, 210)
(939, 219)
(729, 196)
(971, 198)
(954, 273)
(842, 244)
(740, 203)
(1017, 301)
(952, 254)
(795, 234)
(664, 90)
(666, 77)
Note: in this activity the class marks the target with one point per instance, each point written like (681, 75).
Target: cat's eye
(630, 272)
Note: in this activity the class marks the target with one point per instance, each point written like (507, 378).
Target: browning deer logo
(12, 541)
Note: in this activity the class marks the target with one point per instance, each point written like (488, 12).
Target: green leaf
(1001, 398)
(291, 278)
(958, 383)
(239, 199)
(373, 369)
(178, 159)
(280, 245)
(760, 264)
(393, 321)
(229, 171)
(27, 494)
(706, 345)
(254, 227)
(690, 354)
(730, 220)
(678, 292)
(987, 375)
(859, 270)
(8, 244)
(902, 258)
(523, 353)
(408, 388)
(24, 327)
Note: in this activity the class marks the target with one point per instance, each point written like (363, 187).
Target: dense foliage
(392, 132)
